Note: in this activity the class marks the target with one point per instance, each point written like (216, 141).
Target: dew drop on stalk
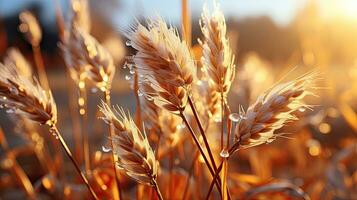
(235, 117)
(132, 70)
(149, 98)
(128, 43)
(10, 110)
(302, 109)
(217, 119)
(106, 149)
(14, 90)
(94, 90)
(127, 77)
(224, 153)
(140, 94)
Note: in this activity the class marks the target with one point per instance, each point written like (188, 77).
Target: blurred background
(269, 38)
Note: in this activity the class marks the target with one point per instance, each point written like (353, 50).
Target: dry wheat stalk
(87, 58)
(26, 96)
(131, 147)
(15, 57)
(273, 110)
(217, 59)
(30, 27)
(73, 55)
(150, 112)
(165, 63)
(81, 14)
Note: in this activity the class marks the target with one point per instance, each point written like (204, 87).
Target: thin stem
(157, 189)
(213, 180)
(85, 134)
(186, 22)
(73, 112)
(40, 66)
(229, 124)
(190, 174)
(199, 147)
(70, 156)
(171, 172)
(230, 151)
(16, 169)
(202, 133)
(222, 119)
(111, 134)
(138, 119)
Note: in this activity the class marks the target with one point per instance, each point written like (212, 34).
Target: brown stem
(230, 151)
(229, 124)
(190, 174)
(40, 66)
(69, 154)
(213, 180)
(199, 147)
(16, 169)
(186, 22)
(222, 119)
(85, 134)
(138, 119)
(73, 112)
(202, 133)
(157, 189)
(111, 134)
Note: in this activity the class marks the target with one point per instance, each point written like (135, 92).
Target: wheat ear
(26, 97)
(217, 59)
(273, 109)
(132, 148)
(165, 63)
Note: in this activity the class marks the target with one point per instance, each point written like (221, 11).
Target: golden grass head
(273, 110)
(14, 57)
(165, 63)
(132, 148)
(25, 96)
(218, 58)
(87, 58)
(81, 14)
(30, 27)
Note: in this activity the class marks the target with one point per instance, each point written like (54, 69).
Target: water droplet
(181, 126)
(149, 98)
(14, 90)
(120, 167)
(217, 119)
(235, 117)
(132, 71)
(4, 98)
(94, 90)
(106, 149)
(140, 93)
(10, 110)
(127, 77)
(270, 140)
(128, 43)
(224, 153)
(81, 84)
(302, 109)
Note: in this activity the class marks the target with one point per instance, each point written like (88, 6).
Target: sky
(281, 11)
(123, 13)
